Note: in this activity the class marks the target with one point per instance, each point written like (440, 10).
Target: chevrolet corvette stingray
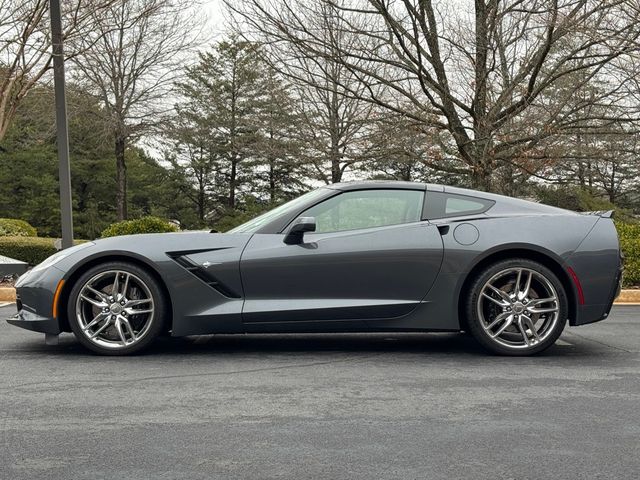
(351, 257)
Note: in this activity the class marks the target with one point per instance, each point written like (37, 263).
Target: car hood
(155, 247)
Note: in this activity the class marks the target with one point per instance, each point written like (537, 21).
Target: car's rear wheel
(116, 308)
(516, 307)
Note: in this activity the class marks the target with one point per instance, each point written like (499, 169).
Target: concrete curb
(627, 296)
(7, 294)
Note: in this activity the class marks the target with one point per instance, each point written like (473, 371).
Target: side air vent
(202, 274)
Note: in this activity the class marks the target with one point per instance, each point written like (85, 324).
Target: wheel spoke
(527, 287)
(129, 328)
(116, 285)
(499, 318)
(504, 295)
(133, 311)
(135, 303)
(495, 300)
(506, 325)
(531, 326)
(542, 310)
(525, 337)
(101, 295)
(126, 284)
(516, 290)
(541, 301)
(101, 329)
(93, 301)
(97, 319)
(118, 324)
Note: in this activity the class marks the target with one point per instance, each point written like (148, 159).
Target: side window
(442, 205)
(367, 209)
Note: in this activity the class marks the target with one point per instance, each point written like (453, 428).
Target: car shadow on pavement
(432, 344)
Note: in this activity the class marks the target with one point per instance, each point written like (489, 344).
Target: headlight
(56, 257)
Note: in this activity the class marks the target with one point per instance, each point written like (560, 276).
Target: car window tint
(442, 205)
(458, 205)
(367, 209)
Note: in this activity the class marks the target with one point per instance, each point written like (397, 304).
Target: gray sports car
(352, 257)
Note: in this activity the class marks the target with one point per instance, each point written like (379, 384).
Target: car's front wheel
(516, 307)
(116, 308)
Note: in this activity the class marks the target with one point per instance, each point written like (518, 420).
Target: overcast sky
(214, 11)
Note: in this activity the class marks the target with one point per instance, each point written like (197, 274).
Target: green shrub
(629, 234)
(141, 225)
(11, 227)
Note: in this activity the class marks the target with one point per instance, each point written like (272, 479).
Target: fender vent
(203, 275)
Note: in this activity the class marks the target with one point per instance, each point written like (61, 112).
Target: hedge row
(32, 250)
(629, 234)
(18, 240)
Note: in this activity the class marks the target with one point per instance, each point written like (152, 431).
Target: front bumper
(34, 292)
(34, 322)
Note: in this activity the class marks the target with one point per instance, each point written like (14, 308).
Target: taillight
(576, 282)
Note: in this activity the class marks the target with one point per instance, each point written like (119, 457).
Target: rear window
(443, 205)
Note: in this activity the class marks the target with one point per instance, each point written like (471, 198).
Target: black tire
(475, 311)
(154, 322)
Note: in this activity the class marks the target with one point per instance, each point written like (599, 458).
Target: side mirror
(296, 232)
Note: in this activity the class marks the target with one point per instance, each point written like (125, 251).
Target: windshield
(254, 225)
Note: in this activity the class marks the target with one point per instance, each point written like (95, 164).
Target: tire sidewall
(473, 322)
(157, 321)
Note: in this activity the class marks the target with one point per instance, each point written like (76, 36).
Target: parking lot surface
(383, 406)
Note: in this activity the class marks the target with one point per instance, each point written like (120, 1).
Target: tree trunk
(336, 172)
(481, 177)
(4, 127)
(201, 201)
(272, 182)
(612, 185)
(121, 179)
(232, 184)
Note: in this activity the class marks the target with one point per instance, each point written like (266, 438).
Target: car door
(371, 257)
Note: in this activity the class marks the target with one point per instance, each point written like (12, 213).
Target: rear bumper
(594, 313)
(598, 265)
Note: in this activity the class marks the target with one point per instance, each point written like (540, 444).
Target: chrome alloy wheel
(114, 309)
(518, 308)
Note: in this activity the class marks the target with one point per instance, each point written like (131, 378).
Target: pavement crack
(195, 375)
(600, 342)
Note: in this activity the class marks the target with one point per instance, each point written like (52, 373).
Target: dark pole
(61, 125)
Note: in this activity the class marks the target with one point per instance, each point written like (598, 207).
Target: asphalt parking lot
(397, 406)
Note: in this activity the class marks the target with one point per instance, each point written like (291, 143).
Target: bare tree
(402, 149)
(334, 126)
(132, 67)
(25, 45)
(477, 74)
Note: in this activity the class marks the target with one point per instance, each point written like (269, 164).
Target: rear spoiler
(601, 213)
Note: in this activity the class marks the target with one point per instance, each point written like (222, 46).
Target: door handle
(443, 229)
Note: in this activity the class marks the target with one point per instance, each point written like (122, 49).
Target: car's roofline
(377, 185)
(504, 203)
